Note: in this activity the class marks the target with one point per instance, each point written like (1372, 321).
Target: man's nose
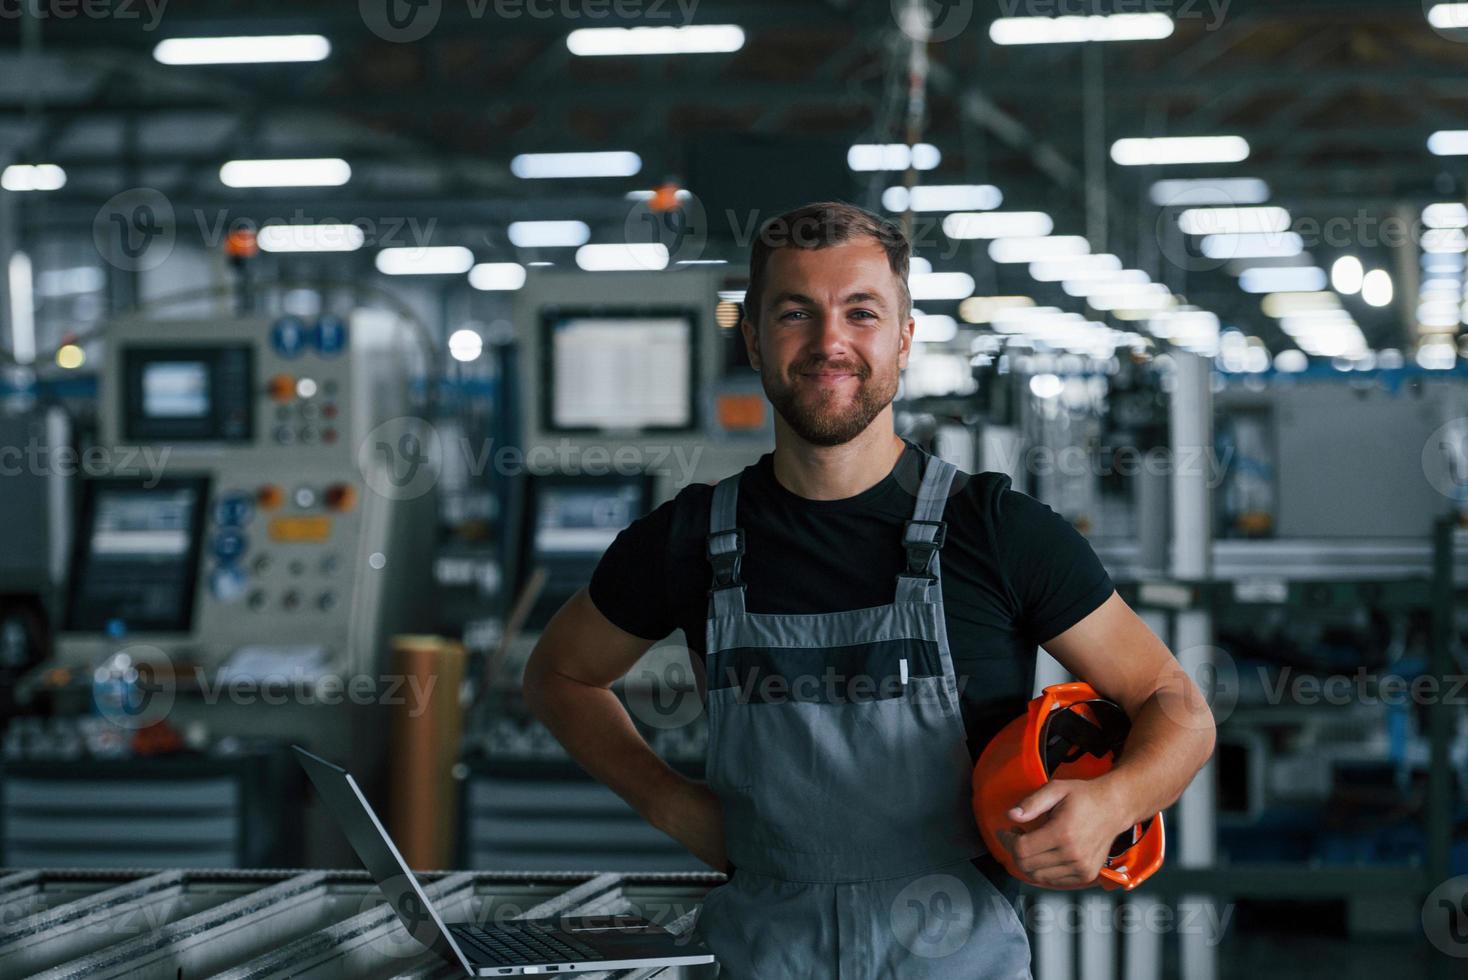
(829, 332)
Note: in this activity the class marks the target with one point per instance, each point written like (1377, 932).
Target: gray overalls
(838, 752)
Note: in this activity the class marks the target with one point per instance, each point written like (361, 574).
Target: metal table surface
(253, 925)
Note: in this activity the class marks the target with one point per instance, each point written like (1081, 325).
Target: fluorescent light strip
(1092, 285)
(982, 309)
(320, 172)
(645, 257)
(497, 276)
(1449, 214)
(563, 166)
(1075, 268)
(1081, 29)
(1206, 191)
(1297, 279)
(940, 285)
(1448, 142)
(871, 157)
(1151, 296)
(1169, 150)
(934, 328)
(1233, 221)
(1283, 244)
(253, 50)
(33, 177)
(22, 309)
(589, 42)
(1448, 16)
(439, 260)
(549, 234)
(1446, 240)
(997, 224)
(944, 197)
(310, 238)
(682, 194)
(1280, 304)
(1037, 249)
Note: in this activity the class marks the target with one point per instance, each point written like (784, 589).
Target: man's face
(832, 338)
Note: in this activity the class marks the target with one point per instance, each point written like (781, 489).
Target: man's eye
(864, 313)
(791, 313)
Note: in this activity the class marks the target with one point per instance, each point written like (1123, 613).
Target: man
(850, 682)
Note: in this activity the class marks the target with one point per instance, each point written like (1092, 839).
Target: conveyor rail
(268, 925)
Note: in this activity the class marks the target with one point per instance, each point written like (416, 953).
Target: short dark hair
(820, 225)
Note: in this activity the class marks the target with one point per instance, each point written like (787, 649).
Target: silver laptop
(564, 944)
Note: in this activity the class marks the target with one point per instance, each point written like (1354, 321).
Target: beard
(830, 416)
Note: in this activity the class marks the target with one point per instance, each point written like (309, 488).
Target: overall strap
(725, 549)
(923, 535)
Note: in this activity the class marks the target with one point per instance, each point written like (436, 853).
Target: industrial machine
(249, 459)
(251, 532)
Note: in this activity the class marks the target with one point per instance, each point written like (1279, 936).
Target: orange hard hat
(1068, 732)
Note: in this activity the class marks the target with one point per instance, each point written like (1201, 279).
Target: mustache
(857, 369)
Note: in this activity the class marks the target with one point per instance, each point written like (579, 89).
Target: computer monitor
(136, 561)
(188, 394)
(570, 521)
(619, 370)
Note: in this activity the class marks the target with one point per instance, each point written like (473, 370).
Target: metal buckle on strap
(725, 557)
(920, 553)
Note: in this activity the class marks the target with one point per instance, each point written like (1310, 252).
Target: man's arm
(1172, 736)
(568, 686)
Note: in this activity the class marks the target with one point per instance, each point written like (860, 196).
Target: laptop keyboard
(510, 945)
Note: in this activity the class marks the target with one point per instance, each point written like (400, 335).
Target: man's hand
(691, 815)
(1070, 824)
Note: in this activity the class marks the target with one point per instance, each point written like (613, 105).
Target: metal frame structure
(253, 925)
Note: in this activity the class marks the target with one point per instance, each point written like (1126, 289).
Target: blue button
(331, 335)
(227, 583)
(289, 336)
(229, 545)
(234, 510)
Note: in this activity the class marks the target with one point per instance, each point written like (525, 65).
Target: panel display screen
(188, 394)
(620, 371)
(137, 555)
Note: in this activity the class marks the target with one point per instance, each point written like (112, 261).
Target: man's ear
(751, 340)
(904, 342)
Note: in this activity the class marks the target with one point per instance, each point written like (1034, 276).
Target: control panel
(262, 417)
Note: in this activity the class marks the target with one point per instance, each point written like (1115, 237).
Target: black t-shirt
(1014, 573)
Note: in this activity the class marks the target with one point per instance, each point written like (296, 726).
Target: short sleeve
(1054, 574)
(629, 585)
